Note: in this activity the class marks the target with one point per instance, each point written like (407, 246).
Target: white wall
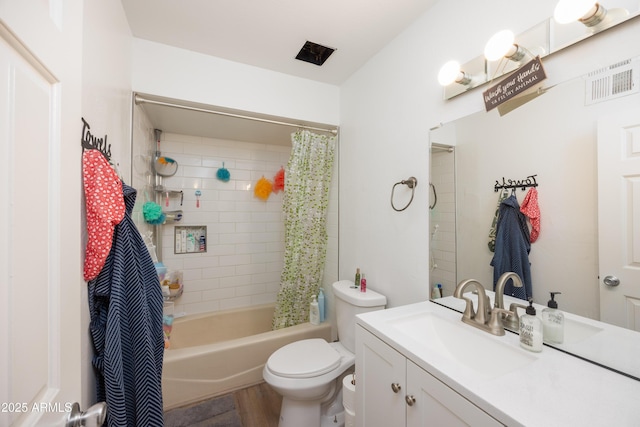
(106, 100)
(387, 108)
(180, 74)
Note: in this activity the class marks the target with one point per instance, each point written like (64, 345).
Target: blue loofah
(223, 174)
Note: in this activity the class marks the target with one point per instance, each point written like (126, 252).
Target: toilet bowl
(308, 373)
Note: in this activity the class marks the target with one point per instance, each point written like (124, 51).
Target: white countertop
(555, 389)
(608, 345)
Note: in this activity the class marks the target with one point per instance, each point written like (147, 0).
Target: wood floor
(255, 406)
(258, 406)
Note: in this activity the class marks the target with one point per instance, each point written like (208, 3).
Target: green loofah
(153, 213)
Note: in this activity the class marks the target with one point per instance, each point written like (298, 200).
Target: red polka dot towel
(105, 209)
(531, 209)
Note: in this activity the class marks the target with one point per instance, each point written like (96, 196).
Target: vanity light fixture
(588, 12)
(451, 73)
(501, 45)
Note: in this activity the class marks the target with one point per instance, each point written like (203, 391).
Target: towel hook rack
(410, 182)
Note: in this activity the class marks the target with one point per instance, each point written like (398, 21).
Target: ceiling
(266, 34)
(270, 33)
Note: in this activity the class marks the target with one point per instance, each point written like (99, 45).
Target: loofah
(153, 213)
(263, 188)
(223, 174)
(278, 181)
(166, 160)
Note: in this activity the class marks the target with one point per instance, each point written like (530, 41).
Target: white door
(40, 222)
(619, 218)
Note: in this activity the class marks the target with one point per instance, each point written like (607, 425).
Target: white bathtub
(215, 353)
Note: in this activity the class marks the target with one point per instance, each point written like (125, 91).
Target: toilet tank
(349, 303)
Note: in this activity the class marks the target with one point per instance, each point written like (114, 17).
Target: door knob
(395, 387)
(410, 399)
(611, 281)
(92, 417)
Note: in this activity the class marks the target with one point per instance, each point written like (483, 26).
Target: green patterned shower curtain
(306, 196)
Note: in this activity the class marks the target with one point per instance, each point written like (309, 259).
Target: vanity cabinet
(391, 390)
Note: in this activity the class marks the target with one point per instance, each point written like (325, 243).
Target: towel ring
(435, 196)
(410, 182)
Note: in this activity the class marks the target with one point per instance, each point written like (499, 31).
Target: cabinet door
(380, 382)
(435, 404)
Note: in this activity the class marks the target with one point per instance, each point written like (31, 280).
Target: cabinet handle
(395, 387)
(410, 399)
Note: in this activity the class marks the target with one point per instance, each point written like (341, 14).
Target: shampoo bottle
(314, 312)
(321, 304)
(531, 330)
(553, 321)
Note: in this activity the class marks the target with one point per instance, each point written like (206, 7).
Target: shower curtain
(306, 196)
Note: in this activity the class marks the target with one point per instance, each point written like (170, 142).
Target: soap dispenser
(531, 329)
(553, 321)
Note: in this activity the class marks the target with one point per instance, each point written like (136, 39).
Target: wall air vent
(314, 53)
(614, 81)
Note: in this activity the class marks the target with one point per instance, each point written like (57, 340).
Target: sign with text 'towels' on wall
(517, 83)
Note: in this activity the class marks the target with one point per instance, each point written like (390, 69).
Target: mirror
(554, 139)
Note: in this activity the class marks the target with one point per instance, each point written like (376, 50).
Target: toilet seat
(304, 359)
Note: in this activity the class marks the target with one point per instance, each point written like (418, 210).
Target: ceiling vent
(314, 53)
(614, 81)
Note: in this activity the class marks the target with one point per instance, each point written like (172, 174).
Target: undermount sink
(456, 341)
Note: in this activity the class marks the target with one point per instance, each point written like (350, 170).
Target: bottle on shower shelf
(321, 305)
(314, 312)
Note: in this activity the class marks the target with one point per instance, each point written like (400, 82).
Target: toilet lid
(303, 359)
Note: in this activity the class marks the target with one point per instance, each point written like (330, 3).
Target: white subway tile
(218, 272)
(227, 304)
(218, 294)
(254, 268)
(234, 260)
(250, 290)
(234, 281)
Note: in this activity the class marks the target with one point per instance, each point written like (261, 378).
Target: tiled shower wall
(245, 235)
(442, 222)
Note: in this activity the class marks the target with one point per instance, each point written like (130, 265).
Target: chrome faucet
(510, 317)
(485, 318)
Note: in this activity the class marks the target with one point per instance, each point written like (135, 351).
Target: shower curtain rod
(139, 99)
(436, 146)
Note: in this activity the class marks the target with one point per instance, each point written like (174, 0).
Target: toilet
(308, 373)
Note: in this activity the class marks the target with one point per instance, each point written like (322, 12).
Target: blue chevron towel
(125, 304)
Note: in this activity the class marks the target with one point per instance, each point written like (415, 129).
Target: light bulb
(500, 45)
(449, 73)
(567, 11)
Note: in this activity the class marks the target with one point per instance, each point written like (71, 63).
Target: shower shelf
(170, 193)
(174, 296)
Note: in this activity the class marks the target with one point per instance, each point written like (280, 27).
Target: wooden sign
(524, 78)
